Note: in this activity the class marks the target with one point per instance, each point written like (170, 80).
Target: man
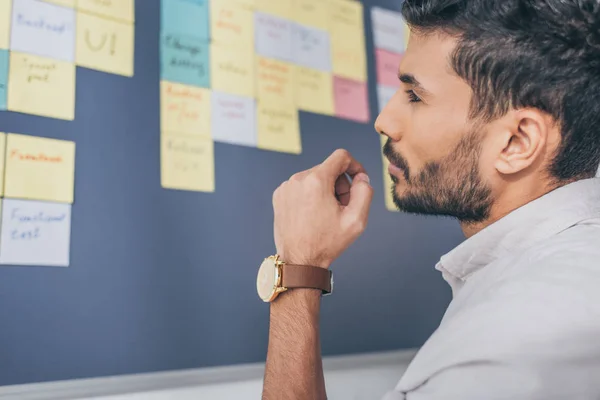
(496, 123)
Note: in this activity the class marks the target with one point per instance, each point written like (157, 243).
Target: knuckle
(342, 153)
(313, 181)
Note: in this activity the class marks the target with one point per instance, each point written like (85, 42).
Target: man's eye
(412, 96)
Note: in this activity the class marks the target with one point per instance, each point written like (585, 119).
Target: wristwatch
(275, 277)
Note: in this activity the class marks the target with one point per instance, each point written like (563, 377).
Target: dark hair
(543, 54)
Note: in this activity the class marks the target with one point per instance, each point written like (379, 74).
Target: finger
(339, 162)
(342, 189)
(361, 194)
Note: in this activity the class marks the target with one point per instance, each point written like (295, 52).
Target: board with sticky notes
(140, 146)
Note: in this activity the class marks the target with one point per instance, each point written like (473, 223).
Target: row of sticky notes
(390, 34)
(37, 183)
(41, 43)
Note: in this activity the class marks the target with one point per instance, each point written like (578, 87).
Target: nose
(389, 121)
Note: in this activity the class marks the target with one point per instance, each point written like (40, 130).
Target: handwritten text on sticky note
(232, 70)
(275, 80)
(41, 86)
(43, 29)
(314, 90)
(278, 127)
(351, 99)
(273, 37)
(185, 18)
(233, 119)
(39, 168)
(35, 233)
(185, 60)
(311, 13)
(311, 47)
(187, 163)
(184, 109)
(105, 45)
(231, 24)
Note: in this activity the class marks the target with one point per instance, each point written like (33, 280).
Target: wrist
(299, 260)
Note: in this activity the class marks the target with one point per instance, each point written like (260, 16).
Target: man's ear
(523, 140)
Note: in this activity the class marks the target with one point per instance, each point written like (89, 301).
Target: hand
(319, 214)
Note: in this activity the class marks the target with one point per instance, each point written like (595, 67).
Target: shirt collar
(535, 221)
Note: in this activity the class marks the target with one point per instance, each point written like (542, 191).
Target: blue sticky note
(186, 18)
(3, 78)
(185, 60)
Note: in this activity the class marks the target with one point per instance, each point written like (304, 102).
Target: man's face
(434, 148)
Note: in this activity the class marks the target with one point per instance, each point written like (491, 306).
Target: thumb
(361, 194)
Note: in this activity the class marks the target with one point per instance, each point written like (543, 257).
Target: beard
(450, 187)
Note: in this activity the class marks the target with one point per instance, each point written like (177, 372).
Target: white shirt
(524, 322)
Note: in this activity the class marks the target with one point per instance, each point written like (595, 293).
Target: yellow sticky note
(2, 160)
(104, 45)
(39, 168)
(64, 3)
(312, 13)
(280, 8)
(41, 86)
(5, 21)
(232, 70)
(387, 182)
(187, 163)
(314, 90)
(275, 80)
(247, 4)
(348, 39)
(406, 35)
(278, 127)
(231, 24)
(123, 10)
(184, 109)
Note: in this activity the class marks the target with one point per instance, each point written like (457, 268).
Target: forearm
(294, 367)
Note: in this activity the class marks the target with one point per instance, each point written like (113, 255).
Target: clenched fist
(319, 213)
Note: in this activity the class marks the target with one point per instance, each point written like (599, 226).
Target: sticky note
(41, 86)
(278, 127)
(274, 80)
(384, 95)
(387, 65)
(406, 35)
(388, 184)
(314, 90)
(311, 47)
(122, 10)
(5, 19)
(185, 18)
(2, 161)
(388, 30)
(351, 99)
(348, 39)
(185, 60)
(43, 29)
(232, 70)
(247, 4)
(233, 119)
(4, 55)
(311, 13)
(35, 233)
(63, 3)
(273, 37)
(187, 163)
(280, 8)
(105, 45)
(184, 109)
(39, 168)
(231, 24)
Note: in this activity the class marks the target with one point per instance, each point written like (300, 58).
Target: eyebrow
(410, 79)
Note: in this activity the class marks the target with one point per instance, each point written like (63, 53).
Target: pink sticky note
(387, 64)
(351, 99)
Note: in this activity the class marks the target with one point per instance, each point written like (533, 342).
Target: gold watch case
(268, 281)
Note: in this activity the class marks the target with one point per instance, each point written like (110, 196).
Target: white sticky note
(43, 29)
(273, 36)
(311, 47)
(384, 95)
(233, 119)
(388, 29)
(35, 233)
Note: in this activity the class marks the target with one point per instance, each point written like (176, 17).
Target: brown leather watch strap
(297, 276)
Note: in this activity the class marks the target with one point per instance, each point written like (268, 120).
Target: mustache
(395, 158)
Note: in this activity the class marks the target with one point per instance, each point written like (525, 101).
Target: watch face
(266, 281)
